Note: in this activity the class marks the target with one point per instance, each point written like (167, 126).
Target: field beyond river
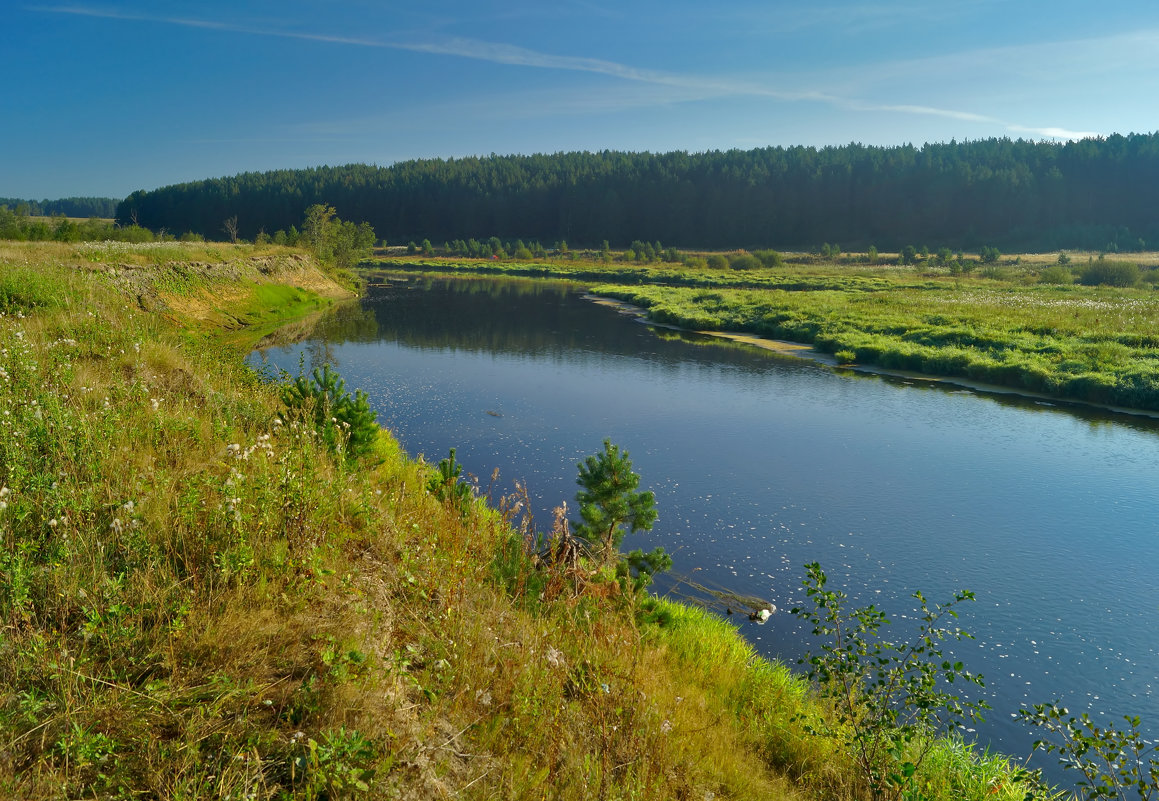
(1078, 327)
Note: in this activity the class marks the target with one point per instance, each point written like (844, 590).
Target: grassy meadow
(199, 600)
(1024, 323)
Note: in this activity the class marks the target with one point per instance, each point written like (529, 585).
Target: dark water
(761, 463)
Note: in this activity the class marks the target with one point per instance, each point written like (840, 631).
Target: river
(762, 462)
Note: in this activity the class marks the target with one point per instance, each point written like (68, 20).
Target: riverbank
(201, 600)
(801, 350)
(1021, 324)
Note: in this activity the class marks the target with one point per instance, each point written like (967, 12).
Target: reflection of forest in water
(536, 317)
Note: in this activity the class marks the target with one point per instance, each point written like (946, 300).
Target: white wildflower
(554, 657)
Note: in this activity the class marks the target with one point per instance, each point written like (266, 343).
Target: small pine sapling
(610, 507)
(346, 424)
(447, 486)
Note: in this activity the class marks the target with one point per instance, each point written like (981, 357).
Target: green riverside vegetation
(205, 594)
(1081, 328)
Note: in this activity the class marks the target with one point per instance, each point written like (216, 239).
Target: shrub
(891, 700)
(717, 262)
(1056, 274)
(1114, 763)
(1105, 272)
(745, 262)
(769, 258)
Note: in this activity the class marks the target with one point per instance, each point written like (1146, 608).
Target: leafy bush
(1104, 272)
(1056, 274)
(769, 258)
(1114, 763)
(336, 241)
(717, 262)
(891, 700)
(745, 262)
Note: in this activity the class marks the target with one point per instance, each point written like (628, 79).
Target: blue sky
(105, 98)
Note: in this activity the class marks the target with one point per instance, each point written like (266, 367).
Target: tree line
(1014, 194)
(18, 224)
(105, 207)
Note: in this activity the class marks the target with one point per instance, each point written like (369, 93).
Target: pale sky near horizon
(102, 98)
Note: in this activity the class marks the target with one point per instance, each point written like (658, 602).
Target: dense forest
(1015, 194)
(68, 207)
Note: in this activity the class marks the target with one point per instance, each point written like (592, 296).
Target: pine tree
(609, 503)
(345, 423)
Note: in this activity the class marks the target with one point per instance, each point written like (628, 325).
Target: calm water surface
(761, 463)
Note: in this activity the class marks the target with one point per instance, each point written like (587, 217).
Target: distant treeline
(68, 207)
(1099, 194)
(17, 224)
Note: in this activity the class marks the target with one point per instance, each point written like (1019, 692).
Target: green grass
(198, 600)
(1094, 344)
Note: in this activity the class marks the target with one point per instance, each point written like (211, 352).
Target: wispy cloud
(513, 55)
(850, 19)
